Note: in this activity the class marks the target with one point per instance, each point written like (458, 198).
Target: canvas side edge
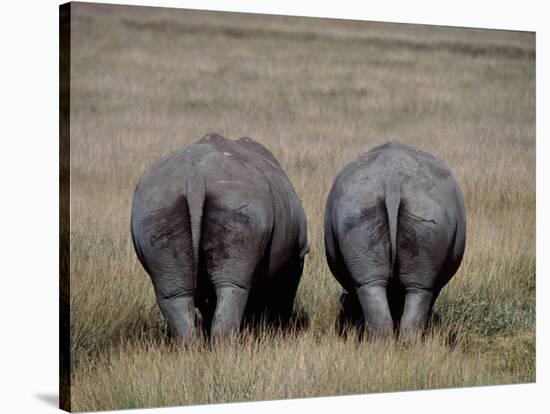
(64, 206)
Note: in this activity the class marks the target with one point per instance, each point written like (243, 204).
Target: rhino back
(288, 236)
(242, 184)
(428, 195)
(419, 174)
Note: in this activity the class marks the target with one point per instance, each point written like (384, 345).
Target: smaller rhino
(395, 233)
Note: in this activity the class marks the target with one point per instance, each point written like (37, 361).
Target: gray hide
(395, 231)
(219, 228)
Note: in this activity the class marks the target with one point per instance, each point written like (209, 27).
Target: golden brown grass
(271, 366)
(317, 93)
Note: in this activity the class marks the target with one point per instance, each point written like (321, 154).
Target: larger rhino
(395, 232)
(219, 228)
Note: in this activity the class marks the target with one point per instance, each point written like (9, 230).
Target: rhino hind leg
(175, 292)
(179, 311)
(231, 302)
(376, 310)
(426, 257)
(365, 255)
(230, 270)
(233, 239)
(172, 277)
(416, 311)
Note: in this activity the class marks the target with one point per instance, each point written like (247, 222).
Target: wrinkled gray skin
(395, 231)
(218, 227)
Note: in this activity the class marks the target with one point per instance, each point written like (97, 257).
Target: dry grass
(317, 93)
(306, 366)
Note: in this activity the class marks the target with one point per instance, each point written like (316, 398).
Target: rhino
(222, 234)
(395, 234)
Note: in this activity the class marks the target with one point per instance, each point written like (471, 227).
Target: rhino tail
(196, 194)
(393, 200)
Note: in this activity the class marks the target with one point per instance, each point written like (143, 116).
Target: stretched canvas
(306, 96)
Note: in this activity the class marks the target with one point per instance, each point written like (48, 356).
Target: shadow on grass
(351, 326)
(251, 328)
(296, 323)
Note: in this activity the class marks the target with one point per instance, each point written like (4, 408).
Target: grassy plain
(318, 93)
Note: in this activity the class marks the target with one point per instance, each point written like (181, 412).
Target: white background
(29, 203)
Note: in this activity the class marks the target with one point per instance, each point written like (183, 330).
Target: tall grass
(317, 93)
(305, 366)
